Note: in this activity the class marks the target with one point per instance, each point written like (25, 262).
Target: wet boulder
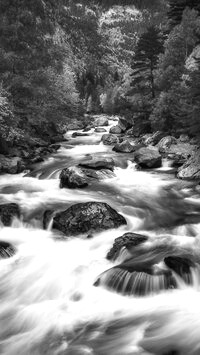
(7, 212)
(87, 217)
(148, 158)
(138, 279)
(98, 163)
(10, 165)
(100, 130)
(190, 170)
(101, 121)
(109, 139)
(116, 130)
(165, 143)
(124, 147)
(72, 178)
(128, 241)
(6, 250)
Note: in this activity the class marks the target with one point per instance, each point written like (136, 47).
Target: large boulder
(180, 153)
(148, 158)
(124, 147)
(101, 121)
(128, 241)
(165, 143)
(109, 139)
(116, 130)
(72, 178)
(7, 212)
(191, 169)
(10, 165)
(87, 217)
(98, 163)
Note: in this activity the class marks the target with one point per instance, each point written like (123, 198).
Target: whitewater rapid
(48, 302)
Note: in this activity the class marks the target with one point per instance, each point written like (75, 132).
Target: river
(49, 305)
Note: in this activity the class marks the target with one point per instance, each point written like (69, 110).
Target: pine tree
(149, 46)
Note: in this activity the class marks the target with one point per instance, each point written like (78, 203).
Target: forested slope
(61, 59)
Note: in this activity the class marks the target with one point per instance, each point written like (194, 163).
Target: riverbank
(183, 152)
(34, 145)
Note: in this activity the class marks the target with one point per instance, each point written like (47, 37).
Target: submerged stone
(127, 240)
(7, 212)
(6, 250)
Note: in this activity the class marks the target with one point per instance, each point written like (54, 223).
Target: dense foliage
(60, 59)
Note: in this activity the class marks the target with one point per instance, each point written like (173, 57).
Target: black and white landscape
(99, 177)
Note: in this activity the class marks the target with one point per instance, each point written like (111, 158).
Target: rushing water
(49, 305)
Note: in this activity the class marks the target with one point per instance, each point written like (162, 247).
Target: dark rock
(124, 124)
(148, 158)
(165, 143)
(181, 265)
(100, 130)
(86, 218)
(127, 240)
(115, 130)
(101, 121)
(87, 129)
(124, 147)
(109, 139)
(6, 250)
(98, 163)
(72, 178)
(7, 212)
(79, 134)
(136, 279)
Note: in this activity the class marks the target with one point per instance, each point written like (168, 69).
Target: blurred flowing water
(48, 302)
